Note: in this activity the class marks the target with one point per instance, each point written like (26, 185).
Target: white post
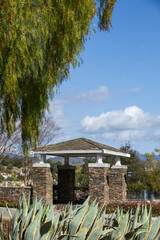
(99, 158)
(118, 161)
(43, 158)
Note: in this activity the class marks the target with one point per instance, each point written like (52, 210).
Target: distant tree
(135, 165)
(153, 171)
(8, 143)
(21, 178)
(9, 166)
(78, 177)
(1, 178)
(54, 167)
(17, 162)
(12, 178)
(48, 131)
(150, 162)
(82, 173)
(6, 160)
(87, 160)
(1, 168)
(82, 176)
(8, 171)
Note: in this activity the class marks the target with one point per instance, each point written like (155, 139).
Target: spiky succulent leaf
(32, 228)
(77, 220)
(95, 233)
(90, 216)
(1, 226)
(52, 226)
(155, 229)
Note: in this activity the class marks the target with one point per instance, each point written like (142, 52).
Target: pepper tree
(39, 39)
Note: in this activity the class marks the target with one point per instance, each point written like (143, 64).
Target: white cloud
(156, 135)
(136, 89)
(99, 94)
(132, 123)
(58, 113)
(125, 136)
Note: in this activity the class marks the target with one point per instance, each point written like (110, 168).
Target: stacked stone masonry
(107, 185)
(117, 185)
(81, 194)
(13, 194)
(98, 185)
(43, 184)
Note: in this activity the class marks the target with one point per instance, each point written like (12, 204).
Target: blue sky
(114, 96)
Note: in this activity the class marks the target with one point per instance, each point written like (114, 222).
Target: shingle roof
(77, 144)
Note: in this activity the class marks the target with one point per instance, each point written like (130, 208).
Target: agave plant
(135, 227)
(87, 222)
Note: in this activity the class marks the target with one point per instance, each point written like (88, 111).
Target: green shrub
(87, 222)
(10, 202)
(1, 178)
(4, 203)
(1, 168)
(12, 179)
(137, 186)
(9, 166)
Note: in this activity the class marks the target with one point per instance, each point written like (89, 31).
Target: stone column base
(98, 182)
(117, 184)
(42, 182)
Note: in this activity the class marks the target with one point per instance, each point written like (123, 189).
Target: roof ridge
(91, 142)
(71, 140)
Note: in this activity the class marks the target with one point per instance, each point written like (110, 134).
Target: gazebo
(100, 184)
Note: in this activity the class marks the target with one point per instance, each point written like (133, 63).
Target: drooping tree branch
(38, 41)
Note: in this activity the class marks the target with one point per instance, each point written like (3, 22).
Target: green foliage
(153, 171)
(1, 178)
(15, 161)
(86, 222)
(10, 204)
(2, 168)
(12, 178)
(138, 186)
(145, 175)
(9, 171)
(81, 176)
(82, 173)
(38, 41)
(139, 174)
(54, 167)
(9, 166)
(6, 160)
(21, 178)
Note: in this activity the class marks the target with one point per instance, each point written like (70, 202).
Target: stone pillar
(117, 184)
(98, 182)
(42, 182)
(66, 183)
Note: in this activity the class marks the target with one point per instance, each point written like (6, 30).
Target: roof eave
(63, 152)
(120, 154)
(82, 152)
